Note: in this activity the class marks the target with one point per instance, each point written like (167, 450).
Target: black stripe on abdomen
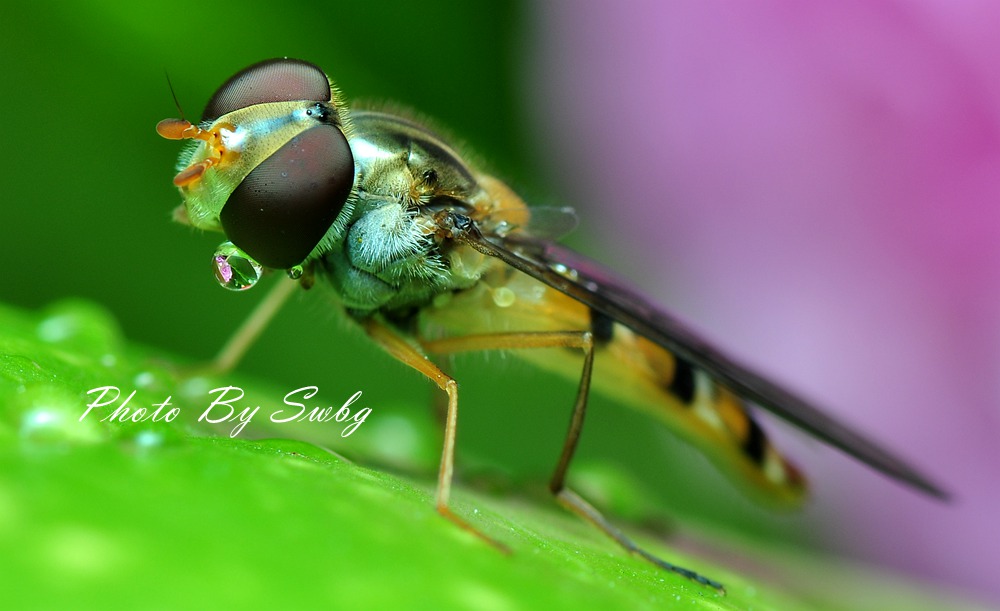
(753, 445)
(602, 326)
(682, 383)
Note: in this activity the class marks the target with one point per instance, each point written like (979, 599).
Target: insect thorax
(385, 253)
(387, 261)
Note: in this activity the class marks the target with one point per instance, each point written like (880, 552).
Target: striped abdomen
(629, 368)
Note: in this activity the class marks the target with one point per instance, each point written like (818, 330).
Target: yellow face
(239, 142)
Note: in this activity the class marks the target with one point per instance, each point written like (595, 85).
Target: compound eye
(272, 80)
(282, 209)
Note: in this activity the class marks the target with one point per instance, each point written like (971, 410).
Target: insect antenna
(173, 94)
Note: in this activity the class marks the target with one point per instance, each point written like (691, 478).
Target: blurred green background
(88, 203)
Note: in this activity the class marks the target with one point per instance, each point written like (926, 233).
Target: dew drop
(49, 417)
(80, 324)
(234, 269)
(144, 379)
(148, 439)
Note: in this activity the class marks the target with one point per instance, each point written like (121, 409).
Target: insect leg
(248, 332)
(408, 354)
(566, 497)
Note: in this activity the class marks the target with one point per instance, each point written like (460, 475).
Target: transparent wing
(583, 280)
(552, 222)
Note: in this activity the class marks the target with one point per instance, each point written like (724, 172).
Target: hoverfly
(431, 256)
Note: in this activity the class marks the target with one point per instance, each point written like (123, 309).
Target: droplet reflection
(234, 269)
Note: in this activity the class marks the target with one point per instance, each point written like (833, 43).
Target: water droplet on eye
(234, 269)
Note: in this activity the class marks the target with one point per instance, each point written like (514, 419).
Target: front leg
(406, 353)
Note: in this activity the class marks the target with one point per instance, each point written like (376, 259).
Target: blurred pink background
(818, 186)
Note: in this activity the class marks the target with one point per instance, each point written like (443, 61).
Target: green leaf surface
(100, 514)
